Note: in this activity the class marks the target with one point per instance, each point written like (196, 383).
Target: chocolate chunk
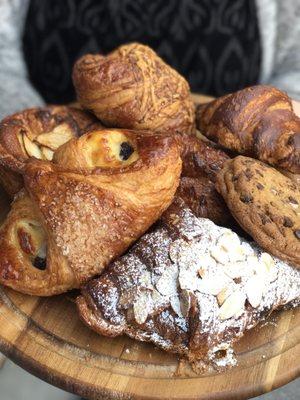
(246, 198)
(297, 233)
(126, 151)
(264, 219)
(248, 174)
(235, 178)
(287, 222)
(40, 263)
(260, 186)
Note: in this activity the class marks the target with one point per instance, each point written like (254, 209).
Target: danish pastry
(133, 88)
(100, 193)
(191, 288)
(258, 121)
(37, 132)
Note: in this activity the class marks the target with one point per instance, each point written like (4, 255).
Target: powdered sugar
(161, 273)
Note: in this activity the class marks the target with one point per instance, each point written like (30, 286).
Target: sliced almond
(268, 263)
(175, 304)
(222, 296)
(237, 253)
(229, 240)
(254, 288)
(141, 307)
(56, 138)
(206, 261)
(202, 272)
(254, 264)
(220, 255)
(145, 280)
(31, 148)
(157, 298)
(21, 141)
(47, 153)
(167, 283)
(233, 305)
(237, 270)
(211, 286)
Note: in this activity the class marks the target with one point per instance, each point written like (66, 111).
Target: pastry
(200, 164)
(133, 88)
(191, 288)
(258, 121)
(37, 132)
(265, 203)
(100, 193)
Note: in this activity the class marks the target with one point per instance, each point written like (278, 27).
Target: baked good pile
(180, 224)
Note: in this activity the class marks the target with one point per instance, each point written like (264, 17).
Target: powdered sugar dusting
(177, 265)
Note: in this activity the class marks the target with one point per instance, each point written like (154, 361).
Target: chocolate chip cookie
(265, 203)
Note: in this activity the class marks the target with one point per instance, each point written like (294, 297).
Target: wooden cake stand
(46, 337)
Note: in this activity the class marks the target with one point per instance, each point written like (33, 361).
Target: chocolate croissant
(100, 193)
(37, 132)
(190, 287)
(257, 121)
(133, 88)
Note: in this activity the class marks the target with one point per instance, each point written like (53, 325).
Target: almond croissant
(100, 194)
(133, 88)
(258, 121)
(190, 287)
(37, 132)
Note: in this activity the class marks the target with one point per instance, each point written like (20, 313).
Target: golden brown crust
(91, 214)
(200, 164)
(133, 88)
(258, 121)
(11, 181)
(19, 248)
(37, 132)
(265, 203)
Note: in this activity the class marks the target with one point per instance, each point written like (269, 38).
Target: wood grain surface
(46, 337)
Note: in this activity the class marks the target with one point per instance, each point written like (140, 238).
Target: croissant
(133, 88)
(190, 287)
(200, 165)
(100, 193)
(37, 132)
(258, 121)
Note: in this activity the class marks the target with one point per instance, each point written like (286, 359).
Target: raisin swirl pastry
(37, 132)
(132, 87)
(100, 193)
(190, 287)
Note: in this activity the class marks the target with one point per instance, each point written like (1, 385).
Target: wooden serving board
(46, 337)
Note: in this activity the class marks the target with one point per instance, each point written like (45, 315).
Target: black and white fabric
(215, 44)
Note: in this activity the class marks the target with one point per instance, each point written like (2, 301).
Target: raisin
(260, 186)
(39, 263)
(126, 151)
